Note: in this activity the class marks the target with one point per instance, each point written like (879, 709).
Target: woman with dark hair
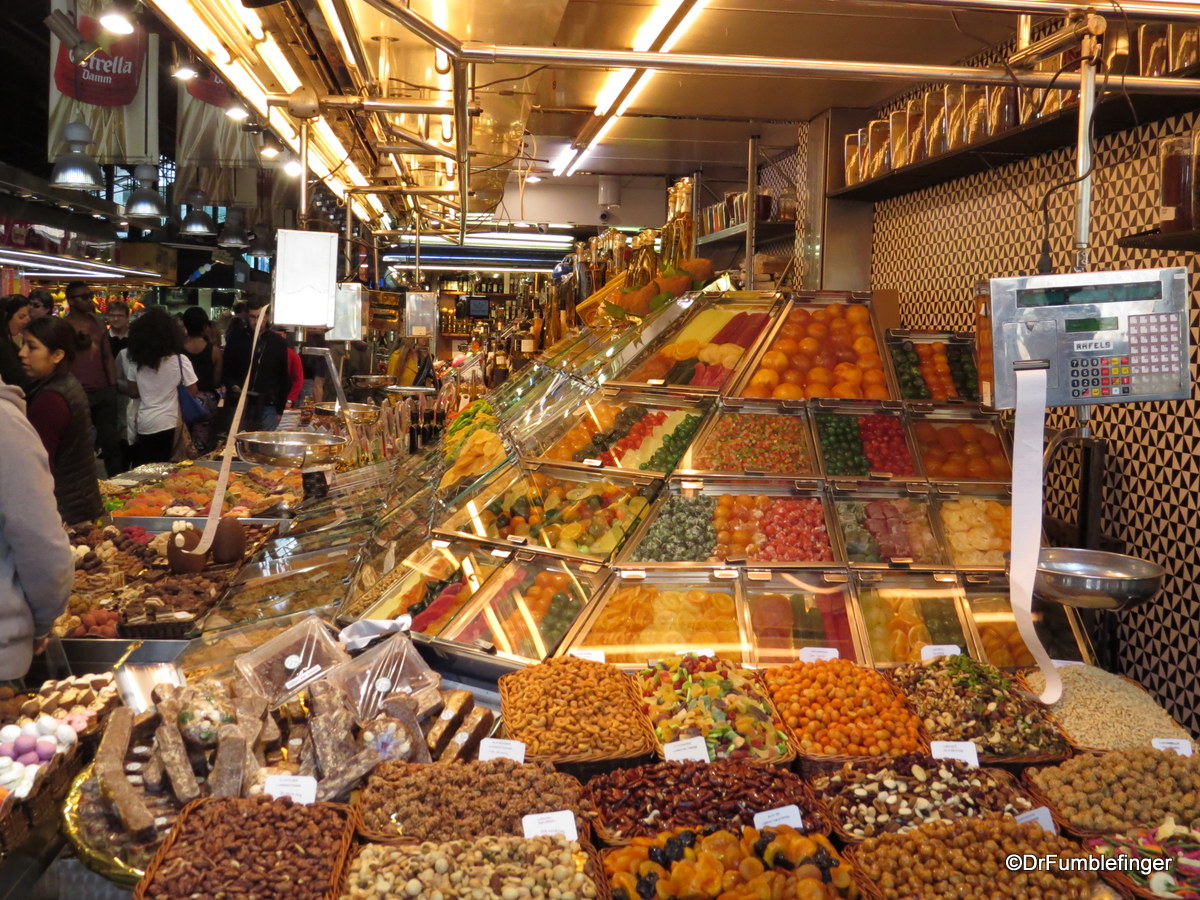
(58, 409)
(206, 363)
(154, 348)
(14, 310)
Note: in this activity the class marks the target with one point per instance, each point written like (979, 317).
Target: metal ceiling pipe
(1161, 10)
(420, 26)
(850, 70)
(411, 107)
(1067, 36)
(401, 189)
(407, 150)
(462, 142)
(417, 141)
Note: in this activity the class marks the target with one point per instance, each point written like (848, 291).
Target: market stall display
(937, 367)
(905, 612)
(748, 442)
(188, 491)
(1174, 848)
(642, 801)
(873, 797)
(792, 611)
(884, 527)
(978, 530)
(961, 449)
(852, 444)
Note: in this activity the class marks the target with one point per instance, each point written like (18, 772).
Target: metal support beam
(409, 107)
(417, 141)
(402, 189)
(303, 216)
(1161, 10)
(462, 143)
(420, 26)
(1067, 36)
(751, 206)
(348, 253)
(406, 150)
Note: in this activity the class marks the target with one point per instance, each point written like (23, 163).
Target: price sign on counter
(783, 815)
(688, 750)
(1181, 746)
(813, 654)
(933, 651)
(549, 824)
(963, 751)
(586, 653)
(494, 748)
(301, 788)
(1042, 816)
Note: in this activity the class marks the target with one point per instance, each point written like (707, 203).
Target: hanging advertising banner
(114, 93)
(210, 146)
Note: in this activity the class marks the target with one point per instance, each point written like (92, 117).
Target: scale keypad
(1152, 366)
(1101, 376)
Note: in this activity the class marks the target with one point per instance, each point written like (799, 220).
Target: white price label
(813, 654)
(1042, 816)
(494, 748)
(689, 749)
(587, 653)
(301, 788)
(933, 651)
(1065, 663)
(783, 815)
(549, 824)
(1182, 746)
(963, 751)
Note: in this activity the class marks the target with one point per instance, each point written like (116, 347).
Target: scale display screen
(479, 307)
(1074, 326)
(1073, 294)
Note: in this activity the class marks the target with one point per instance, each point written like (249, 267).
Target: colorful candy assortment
(641, 622)
(883, 529)
(742, 442)
(978, 531)
(705, 352)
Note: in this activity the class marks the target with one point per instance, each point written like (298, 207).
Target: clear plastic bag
(281, 668)
(393, 666)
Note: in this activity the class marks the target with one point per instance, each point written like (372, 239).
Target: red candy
(884, 445)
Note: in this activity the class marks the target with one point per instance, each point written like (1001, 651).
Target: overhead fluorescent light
(533, 179)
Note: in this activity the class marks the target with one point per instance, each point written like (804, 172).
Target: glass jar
(1185, 46)
(851, 160)
(877, 150)
(1175, 169)
(935, 122)
(898, 138)
(1154, 50)
(787, 206)
(916, 130)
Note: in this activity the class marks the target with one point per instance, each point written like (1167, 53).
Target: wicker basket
(336, 869)
(835, 823)
(14, 824)
(584, 763)
(1076, 745)
(1041, 799)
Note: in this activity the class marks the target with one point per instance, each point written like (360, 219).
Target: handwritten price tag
(587, 653)
(783, 815)
(1181, 746)
(301, 788)
(1042, 816)
(549, 824)
(963, 751)
(687, 750)
(813, 654)
(933, 651)
(494, 748)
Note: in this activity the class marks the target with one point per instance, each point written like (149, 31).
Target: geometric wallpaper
(934, 245)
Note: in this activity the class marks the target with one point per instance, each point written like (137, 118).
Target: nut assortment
(733, 865)
(252, 847)
(573, 707)
(1085, 710)
(966, 858)
(642, 801)
(960, 699)
(872, 798)
(443, 803)
(1123, 790)
(491, 868)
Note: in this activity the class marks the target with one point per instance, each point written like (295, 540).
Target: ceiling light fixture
(233, 234)
(80, 48)
(261, 243)
(237, 111)
(145, 202)
(185, 70)
(292, 167)
(533, 179)
(271, 147)
(117, 17)
(75, 169)
(198, 223)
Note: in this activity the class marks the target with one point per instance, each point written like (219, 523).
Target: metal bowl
(1094, 579)
(354, 413)
(374, 381)
(299, 449)
(409, 390)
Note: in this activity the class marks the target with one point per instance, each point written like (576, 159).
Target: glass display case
(743, 440)
(720, 521)
(566, 512)
(1058, 626)
(698, 351)
(962, 447)
(935, 366)
(904, 612)
(976, 525)
(212, 654)
(854, 443)
(644, 616)
(789, 612)
(281, 594)
(888, 527)
(822, 345)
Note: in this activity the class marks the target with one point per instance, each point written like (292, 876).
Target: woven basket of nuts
(274, 849)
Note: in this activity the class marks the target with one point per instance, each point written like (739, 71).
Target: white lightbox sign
(305, 278)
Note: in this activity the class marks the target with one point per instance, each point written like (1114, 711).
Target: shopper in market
(205, 358)
(156, 349)
(295, 368)
(116, 317)
(11, 370)
(41, 303)
(36, 566)
(96, 370)
(58, 408)
(267, 361)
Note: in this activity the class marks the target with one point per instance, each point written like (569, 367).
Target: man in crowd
(96, 370)
(270, 382)
(116, 316)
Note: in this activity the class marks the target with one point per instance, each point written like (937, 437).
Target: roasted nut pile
(960, 699)
(965, 859)
(444, 803)
(884, 797)
(1085, 711)
(252, 847)
(642, 801)
(1123, 790)
(567, 706)
(491, 868)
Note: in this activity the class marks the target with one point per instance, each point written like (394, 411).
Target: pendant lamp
(75, 169)
(198, 223)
